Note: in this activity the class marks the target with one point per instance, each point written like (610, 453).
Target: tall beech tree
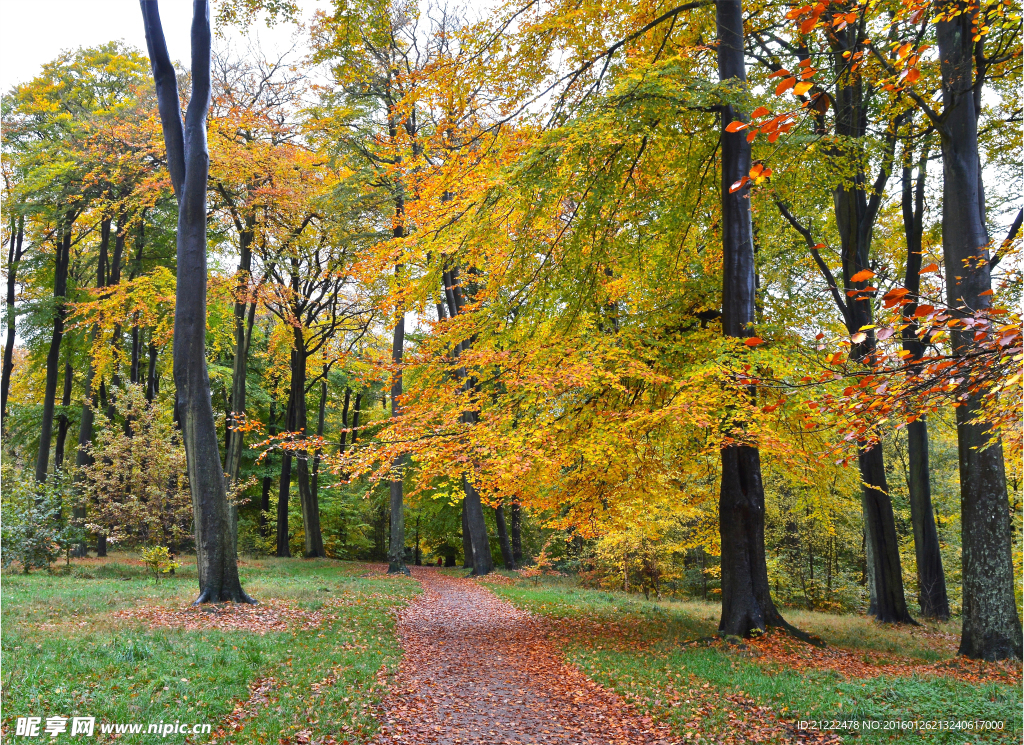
(991, 625)
(396, 547)
(62, 260)
(931, 579)
(188, 163)
(971, 47)
(856, 201)
(747, 605)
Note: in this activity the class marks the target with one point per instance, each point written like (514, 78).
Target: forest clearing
(523, 372)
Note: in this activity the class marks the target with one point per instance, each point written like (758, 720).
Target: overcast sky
(36, 31)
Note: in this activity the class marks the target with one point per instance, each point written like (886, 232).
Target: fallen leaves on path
(272, 615)
(478, 670)
(782, 649)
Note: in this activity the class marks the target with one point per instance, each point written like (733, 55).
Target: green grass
(673, 680)
(65, 653)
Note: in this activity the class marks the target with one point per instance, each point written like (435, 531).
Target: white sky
(36, 31)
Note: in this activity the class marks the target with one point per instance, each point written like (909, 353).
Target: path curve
(478, 670)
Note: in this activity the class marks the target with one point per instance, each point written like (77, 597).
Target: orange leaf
(809, 24)
(802, 87)
(896, 293)
(784, 86)
(930, 268)
(913, 75)
(735, 126)
(862, 276)
(756, 170)
(739, 184)
(753, 341)
(759, 111)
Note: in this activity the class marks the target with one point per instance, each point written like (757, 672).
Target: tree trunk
(516, 518)
(355, 417)
(188, 163)
(307, 500)
(60, 286)
(507, 557)
(314, 476)
(344, 420)
(283, 548)
(267, 479)
(396, 548)
(136, 331)
(467, 541)
(991, 625)
(244, 317)
(869, 571)
(747, 605)
(856, 203)
(931, 579)
(481, 548)
(114, 279)
(62, 418)
(890, 603)
(473, 514)
(13, 260)
(152, 381)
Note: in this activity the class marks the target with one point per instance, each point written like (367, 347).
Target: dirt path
(477, 670)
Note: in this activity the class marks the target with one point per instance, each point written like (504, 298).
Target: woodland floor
(339, 653)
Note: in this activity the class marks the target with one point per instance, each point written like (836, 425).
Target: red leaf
(753, 341)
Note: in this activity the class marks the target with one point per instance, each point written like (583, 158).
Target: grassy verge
(69, 651)
(638, 649)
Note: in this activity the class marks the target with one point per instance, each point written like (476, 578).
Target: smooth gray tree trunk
(188, 161)
(991, 624)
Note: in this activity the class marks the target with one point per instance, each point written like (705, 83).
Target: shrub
(36, 524)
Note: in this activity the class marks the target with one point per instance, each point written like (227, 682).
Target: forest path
(478, 670)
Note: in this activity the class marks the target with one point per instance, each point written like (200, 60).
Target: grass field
(653, 653)
(71, 647)
(105, 640)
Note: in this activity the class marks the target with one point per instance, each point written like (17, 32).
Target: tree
(856, 201)
(188, 163)
(931, 579)
(992, 626)
(747, 605)
(14, 254)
